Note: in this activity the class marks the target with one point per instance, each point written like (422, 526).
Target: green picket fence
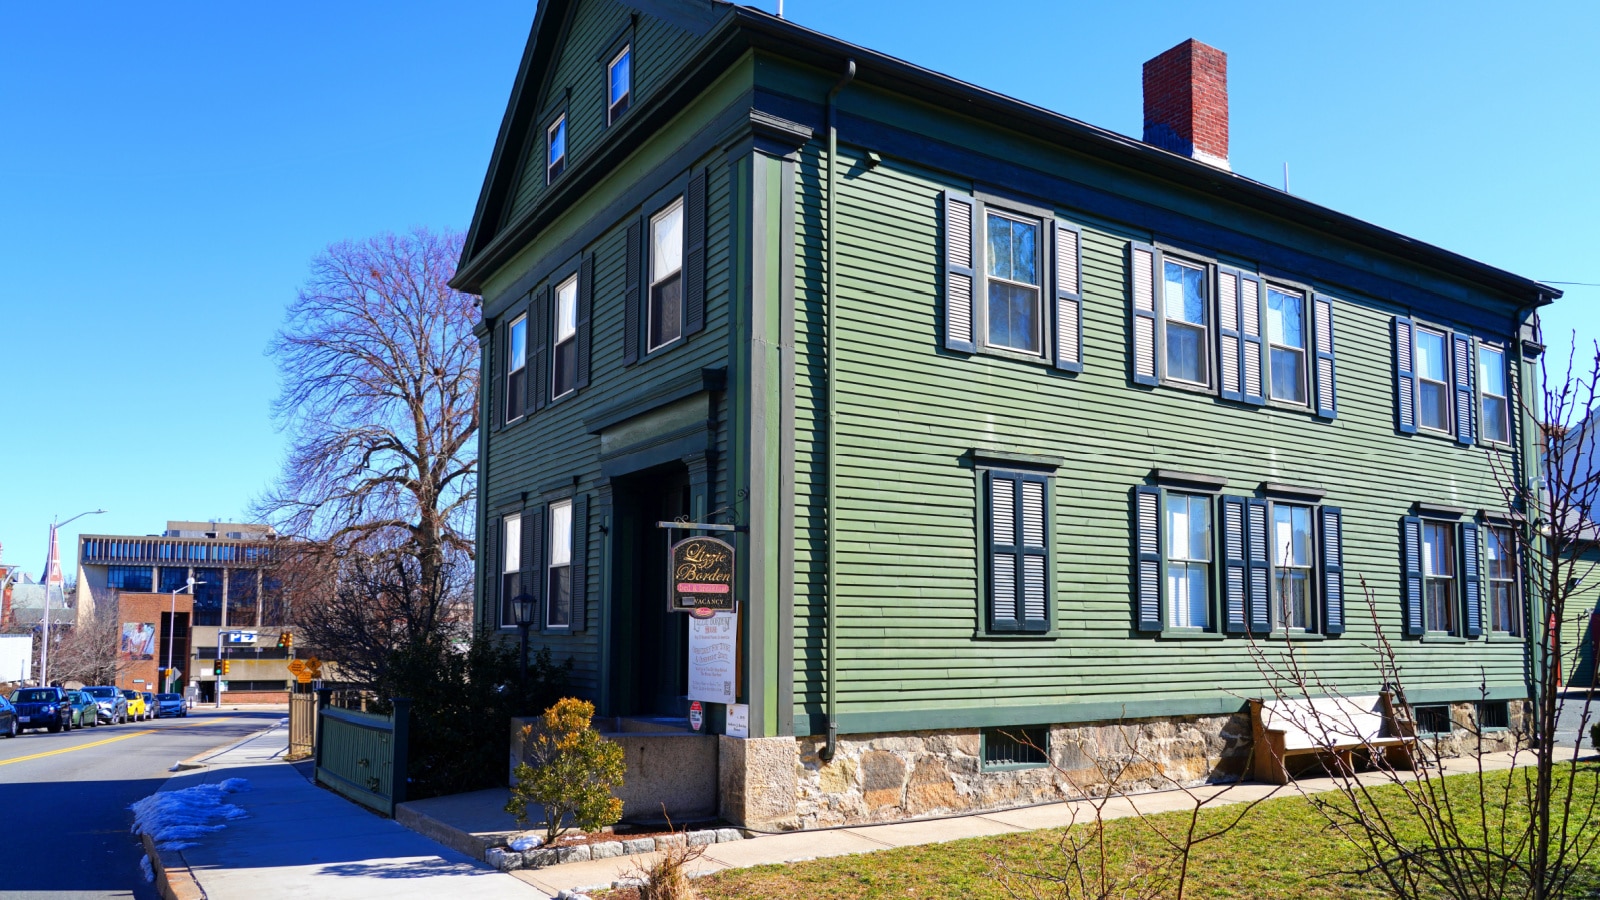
(363, 755)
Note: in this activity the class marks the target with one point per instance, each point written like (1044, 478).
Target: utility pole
(172, 629)
(53, 573)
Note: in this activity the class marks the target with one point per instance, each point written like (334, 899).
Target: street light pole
(172, 624)
(44, 648)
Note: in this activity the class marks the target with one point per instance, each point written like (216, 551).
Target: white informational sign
(712, 644)
(16, 658)
(222, 686)
(239, 637)
(738, 724)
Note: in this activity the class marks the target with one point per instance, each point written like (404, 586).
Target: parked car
(8, 719)
(169, 705)
(85, 712)
(42, 707)
(113, 706)
(149, 704)
(137, 711)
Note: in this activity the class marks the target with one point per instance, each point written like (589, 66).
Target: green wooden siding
(908, 544)
(659, 48)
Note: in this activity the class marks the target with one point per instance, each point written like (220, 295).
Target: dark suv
(42, 707)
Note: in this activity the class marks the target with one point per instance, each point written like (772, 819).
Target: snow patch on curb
(173, 819)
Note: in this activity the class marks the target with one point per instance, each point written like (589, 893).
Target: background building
(236, 591)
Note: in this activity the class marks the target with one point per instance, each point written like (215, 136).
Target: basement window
(1494, 715)
(1015, 747)
(1432, 719)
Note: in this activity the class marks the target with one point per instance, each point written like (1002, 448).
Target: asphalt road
(64, 799)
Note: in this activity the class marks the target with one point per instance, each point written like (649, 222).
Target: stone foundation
(885, 777)
(1463, 739)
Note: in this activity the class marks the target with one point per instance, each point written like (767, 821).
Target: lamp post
(522, 605)
(44, 649)
(172, 625)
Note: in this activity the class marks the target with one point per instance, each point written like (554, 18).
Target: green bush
(1594, 735)
(574, 773)
(463, 698)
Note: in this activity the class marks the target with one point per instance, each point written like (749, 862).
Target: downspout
(1530, 479)
(830, 646)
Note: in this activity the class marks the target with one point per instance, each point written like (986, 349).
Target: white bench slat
(1325, 722)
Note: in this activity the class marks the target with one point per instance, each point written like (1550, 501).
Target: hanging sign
(700, 570)
(712, 644)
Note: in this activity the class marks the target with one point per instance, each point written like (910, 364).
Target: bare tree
(354, 607)
(89, 652)
(380, 398)
(1532, 832)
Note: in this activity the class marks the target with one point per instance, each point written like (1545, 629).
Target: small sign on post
(738, 724)
(700, 572)
(697, 716)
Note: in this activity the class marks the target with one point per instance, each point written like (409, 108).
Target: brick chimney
(1186, 102)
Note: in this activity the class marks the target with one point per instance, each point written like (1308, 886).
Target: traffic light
(286, 641)
(216, 668)
(225, 665)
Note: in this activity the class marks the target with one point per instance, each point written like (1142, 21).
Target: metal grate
(1432, 719)
(1494, 714)
(1016, 746)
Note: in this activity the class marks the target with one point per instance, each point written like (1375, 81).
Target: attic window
(619, 83)
(556, 147)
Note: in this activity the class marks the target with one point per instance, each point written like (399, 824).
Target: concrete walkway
(300, 840)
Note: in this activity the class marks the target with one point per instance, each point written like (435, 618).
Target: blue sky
(168, 170)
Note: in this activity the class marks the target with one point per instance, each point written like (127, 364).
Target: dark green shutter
(1142, 335)
(633, 293)
(585, 313)
(1259, 552)
(1405, 375)
(1471, 578)
(1331, 578)
(1411, 563)
(1033, 546)
(533, 544)
(962, 258)
(491, 569)
(1005, 582)
(1324, 377)
(1147, 557)
(499, 371)
(1069, 297)
(1230, 341)
(1236, 565)
(694, 255)
(1253, 350)
(580, 562)
(537, 377)
(1461, 367)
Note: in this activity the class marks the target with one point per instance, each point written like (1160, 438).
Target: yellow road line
(120, 737)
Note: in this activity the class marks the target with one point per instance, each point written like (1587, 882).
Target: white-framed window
(1433, 380)
(1494, 421)
(1293, 555)
(1439, 576)
(564, 356)
(665, 319)
(619, 83)
(555, 141)
(1014, 311)
(516, 368)
(1286, 345)
(558, 605)
(1189, 543)
(1188, 322)
(510, 568)
(1505, 601)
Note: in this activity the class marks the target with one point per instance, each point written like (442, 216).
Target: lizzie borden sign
(701, 573)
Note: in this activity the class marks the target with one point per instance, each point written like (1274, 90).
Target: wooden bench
(1337, 727)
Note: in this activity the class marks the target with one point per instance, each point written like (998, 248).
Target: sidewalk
(299, 840)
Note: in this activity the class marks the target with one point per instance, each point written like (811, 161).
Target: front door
(649, 645)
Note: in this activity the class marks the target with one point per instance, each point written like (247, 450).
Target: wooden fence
(363, 755)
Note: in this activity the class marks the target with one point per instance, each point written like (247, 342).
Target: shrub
(574, 772)
(463, 698)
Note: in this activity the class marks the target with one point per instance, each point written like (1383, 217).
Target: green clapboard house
(1028, 430)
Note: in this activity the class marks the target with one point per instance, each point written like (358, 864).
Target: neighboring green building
(1024, 424)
